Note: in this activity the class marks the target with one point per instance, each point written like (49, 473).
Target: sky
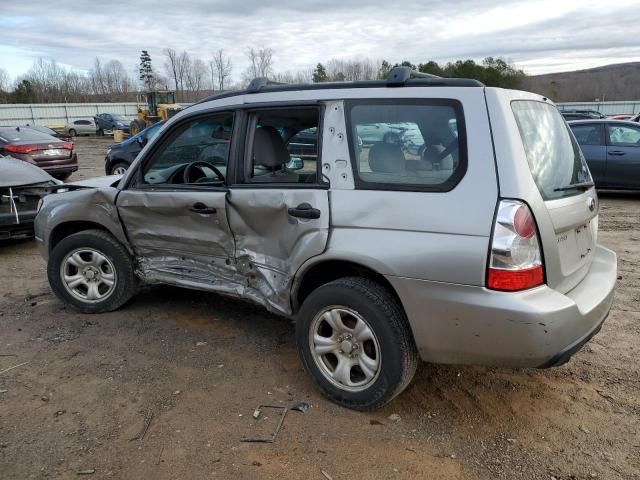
(538, 36)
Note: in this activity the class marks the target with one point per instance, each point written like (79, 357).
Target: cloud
(540, 35)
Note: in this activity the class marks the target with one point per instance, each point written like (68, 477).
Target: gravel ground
(201, 363)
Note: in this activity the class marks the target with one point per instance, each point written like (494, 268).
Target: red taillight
(515, 261)
(523, 222)
(67, 146)
(21, 148)
(513, 280)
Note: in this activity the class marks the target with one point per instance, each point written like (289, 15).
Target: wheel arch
(65, 229)
(317, 273)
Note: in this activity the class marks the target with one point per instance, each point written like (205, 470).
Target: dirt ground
(201, 363)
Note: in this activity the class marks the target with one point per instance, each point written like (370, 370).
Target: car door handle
(201, 208)
(304, 210)
(617, 153)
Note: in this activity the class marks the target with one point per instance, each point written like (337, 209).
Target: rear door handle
(201, 208)
(617, 153)
(304, 210)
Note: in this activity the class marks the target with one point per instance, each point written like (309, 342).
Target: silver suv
(476, 245)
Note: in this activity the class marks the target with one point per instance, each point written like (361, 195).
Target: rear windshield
(554, 157)
(24, 134)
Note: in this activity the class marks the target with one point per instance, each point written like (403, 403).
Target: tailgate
(540, 162)
(570, 251)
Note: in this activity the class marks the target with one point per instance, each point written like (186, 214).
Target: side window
(588, 134)
(408, 145)
(623, 135)
(196, 152)
(283, 146)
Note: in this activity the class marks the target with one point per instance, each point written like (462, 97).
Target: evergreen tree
(146, 70)
(319, 74)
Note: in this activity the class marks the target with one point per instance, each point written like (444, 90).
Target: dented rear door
(273, 237)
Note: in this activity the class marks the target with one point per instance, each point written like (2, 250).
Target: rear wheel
(92, 272)
(118, 168)
(72, 132)
(354, 340)
(136, 126)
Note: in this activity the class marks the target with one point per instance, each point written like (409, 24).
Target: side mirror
(296, 163)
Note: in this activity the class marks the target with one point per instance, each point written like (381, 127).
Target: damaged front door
(175, 212)
(279, 211)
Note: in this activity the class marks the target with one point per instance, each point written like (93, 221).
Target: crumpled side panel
(201, 273)
(271, 244)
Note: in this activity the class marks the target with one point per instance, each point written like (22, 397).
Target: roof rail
(259, 83)
(398, 76)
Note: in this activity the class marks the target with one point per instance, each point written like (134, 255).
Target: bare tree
(171, 65)
(195, 75)
(183, 66)
(260, 63)
(4, 86)
(4, 80)
(221, 65)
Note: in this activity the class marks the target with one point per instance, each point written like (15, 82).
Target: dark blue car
(111, 121)
(121, 155)
(612, 151)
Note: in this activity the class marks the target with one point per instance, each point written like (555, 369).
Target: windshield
(554, 157)
(165, 98)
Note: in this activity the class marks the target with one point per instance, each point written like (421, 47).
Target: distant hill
(608, 83)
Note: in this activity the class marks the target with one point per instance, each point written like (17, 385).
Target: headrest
(269, 149)
(386, 158)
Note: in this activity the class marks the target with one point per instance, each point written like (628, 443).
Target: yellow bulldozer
(154, 107)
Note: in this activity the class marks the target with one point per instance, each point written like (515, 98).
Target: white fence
(606, 108)
(58, 114)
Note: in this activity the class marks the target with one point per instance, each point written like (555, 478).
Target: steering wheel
(188, 171)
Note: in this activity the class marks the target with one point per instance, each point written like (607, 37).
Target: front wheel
(73, 133)
(91, 271)
(119, 168)
(354, 340)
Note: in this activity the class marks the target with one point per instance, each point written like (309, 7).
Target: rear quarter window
(553, 155)
(407, 144)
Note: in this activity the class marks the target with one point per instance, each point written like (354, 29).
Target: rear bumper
(535, 328)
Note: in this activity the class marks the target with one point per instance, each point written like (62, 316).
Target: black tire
(115, 166)
(136, 126)
(386, 318)
(72, 132)
(100, 132)
(125, 283)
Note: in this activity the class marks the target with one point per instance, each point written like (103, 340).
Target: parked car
(581, 114)
(22, 186)
(120, 156)
(107, 122)
(381, 259)
(612, 151)
(53, 155)
(82, 126)
(50, 131)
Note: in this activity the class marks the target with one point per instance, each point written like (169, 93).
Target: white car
(84, 126)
